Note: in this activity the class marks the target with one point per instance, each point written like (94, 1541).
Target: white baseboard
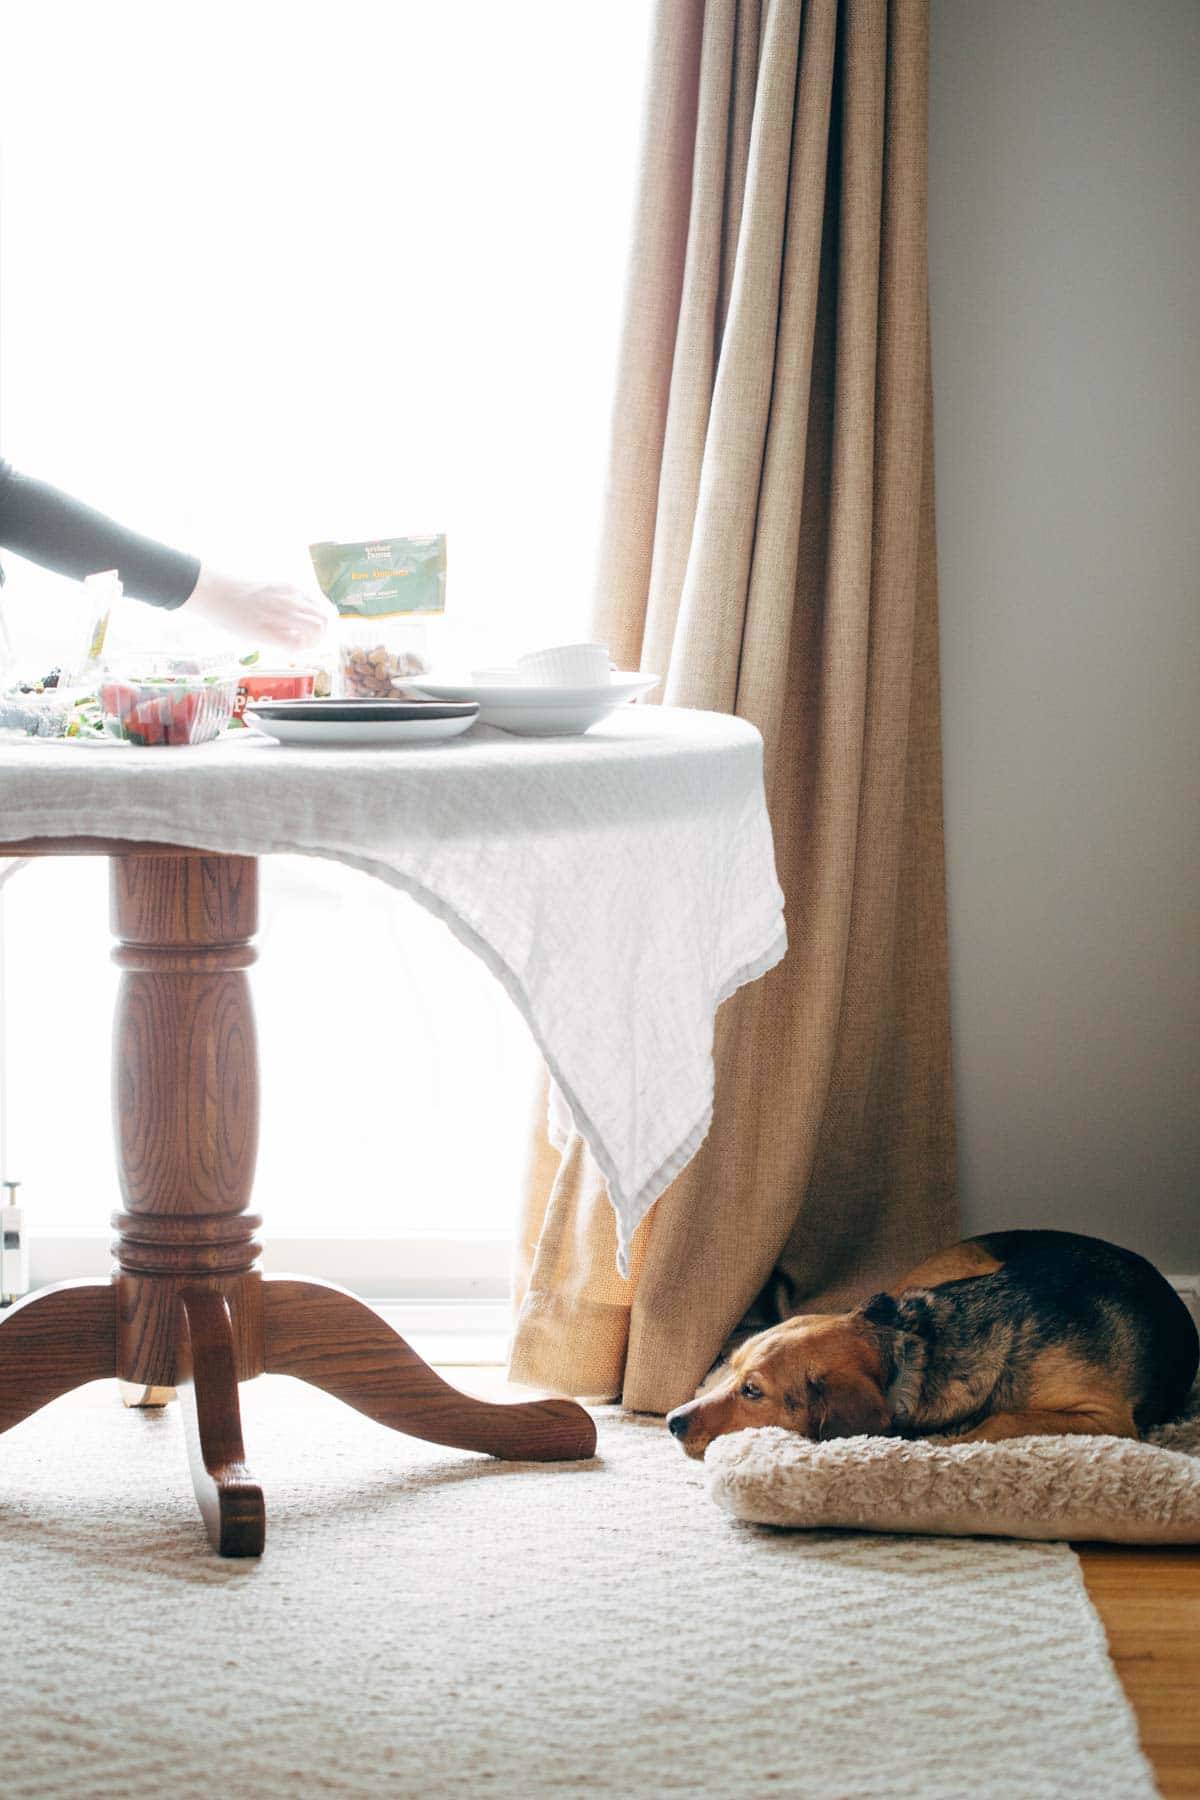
(449, 1333)
(448, 1295)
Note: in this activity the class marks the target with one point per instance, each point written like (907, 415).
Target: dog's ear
(846, 1402)
(880, 1309)
(911, 1313)
(905, 1330)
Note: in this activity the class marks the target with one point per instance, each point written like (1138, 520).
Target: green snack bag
(384, 576)
(385, 591)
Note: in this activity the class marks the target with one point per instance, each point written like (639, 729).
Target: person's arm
(49, 527)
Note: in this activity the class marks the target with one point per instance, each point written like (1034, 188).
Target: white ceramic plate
(537, 711)
(290, 722)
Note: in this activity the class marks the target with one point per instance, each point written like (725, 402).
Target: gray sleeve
(50, 528)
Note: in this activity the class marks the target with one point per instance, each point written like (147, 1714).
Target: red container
(272, 684)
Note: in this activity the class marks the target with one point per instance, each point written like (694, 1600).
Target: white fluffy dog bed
(1108, 1488)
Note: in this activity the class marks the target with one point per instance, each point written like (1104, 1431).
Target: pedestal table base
(276, 1325)
(187, 1308)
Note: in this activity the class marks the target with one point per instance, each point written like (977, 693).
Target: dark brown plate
(345, 712)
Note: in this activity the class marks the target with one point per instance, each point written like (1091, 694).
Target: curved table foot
(137, 1394)
(54, 1341)
(329, 1337)
(231, 1501)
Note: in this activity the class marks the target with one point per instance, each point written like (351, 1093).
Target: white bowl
(566, 666)
(539, 711)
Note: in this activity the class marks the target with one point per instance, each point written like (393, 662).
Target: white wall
(1065, 271)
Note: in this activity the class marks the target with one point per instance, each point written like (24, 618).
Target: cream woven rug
(429, 1623)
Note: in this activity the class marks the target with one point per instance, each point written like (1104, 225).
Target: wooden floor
(1149, 1601)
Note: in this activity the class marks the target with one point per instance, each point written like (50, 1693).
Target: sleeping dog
(1008, 1335)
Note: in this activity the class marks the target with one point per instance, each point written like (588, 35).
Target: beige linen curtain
(769, 550)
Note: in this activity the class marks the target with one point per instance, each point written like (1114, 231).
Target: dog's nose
(677, 1423)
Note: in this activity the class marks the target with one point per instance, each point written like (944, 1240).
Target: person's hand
(259, 612)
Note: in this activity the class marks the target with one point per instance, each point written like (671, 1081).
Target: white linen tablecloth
(620, 885)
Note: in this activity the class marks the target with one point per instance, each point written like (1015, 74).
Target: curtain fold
(769, 550)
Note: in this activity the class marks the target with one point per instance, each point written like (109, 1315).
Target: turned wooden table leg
(185, 1101)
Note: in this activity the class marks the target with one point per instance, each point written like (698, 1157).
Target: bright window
(273, 274)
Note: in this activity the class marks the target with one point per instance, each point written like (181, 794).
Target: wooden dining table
(188, 1309)
(570, 866)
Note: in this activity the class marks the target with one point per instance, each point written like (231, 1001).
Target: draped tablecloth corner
(620, 885)
(629, 1209)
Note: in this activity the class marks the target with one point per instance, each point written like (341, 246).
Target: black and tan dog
(1015, 1333)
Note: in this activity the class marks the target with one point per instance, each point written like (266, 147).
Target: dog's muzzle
(678, 1421)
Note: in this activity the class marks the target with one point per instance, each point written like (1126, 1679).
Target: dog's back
(1107, 1302)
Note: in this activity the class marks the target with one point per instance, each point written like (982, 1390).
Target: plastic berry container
(156, 701)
